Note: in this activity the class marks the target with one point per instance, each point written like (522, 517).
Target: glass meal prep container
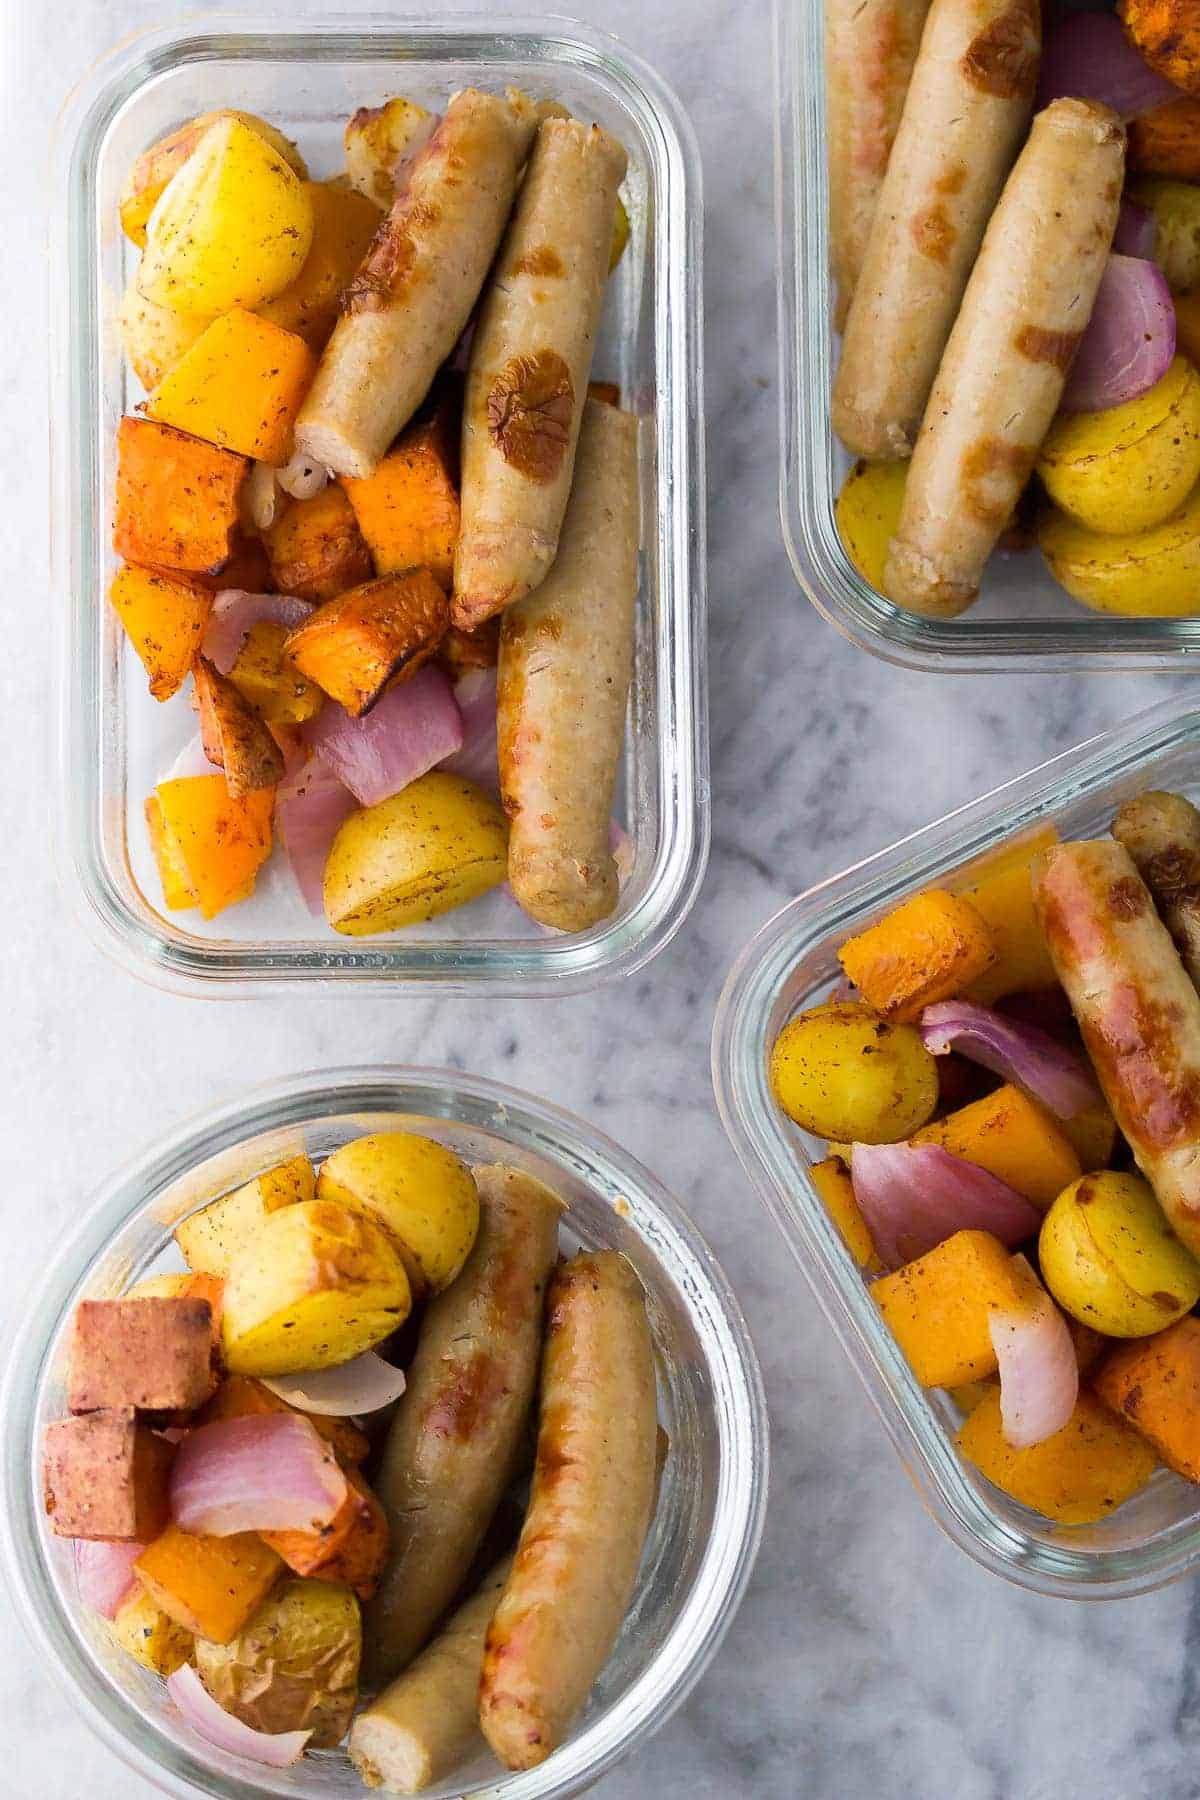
(792, 963)
(1023, 619)
(115, 742)
(705, 1533)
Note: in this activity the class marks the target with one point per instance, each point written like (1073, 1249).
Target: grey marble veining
(871, 1659)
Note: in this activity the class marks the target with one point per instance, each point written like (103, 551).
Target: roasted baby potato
(235, 739)
(1167, 32)
(867, 515)
(420, 1190)
(437, 844)
(316, 1285)
(408, 510)
(294, 1664)
(1166, 140)
(316, 548)
(1176, 209)
(344, 223)
(154, 337)
(843, 1073)
(1152, 574)
(354, 645)
(1129, 468)
(1111, 1260)
(231, 228)
(152, 1638)
(156, 166)
(375, 139)
(210, 1239)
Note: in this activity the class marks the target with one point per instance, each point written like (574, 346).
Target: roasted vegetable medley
(1006, 1079)
(374, 520)
(315, 1479)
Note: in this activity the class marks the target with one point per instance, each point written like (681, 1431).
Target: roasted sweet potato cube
(241, 1395)
(1154, 1384)
(352, 1548)
(248, 568)
(209, 1585)
(106, 1477)
(1167, 32)
(177, 498)
(930, 948)
(235, 739)
(344, 222)
(156, 1355)
(354, 645)
(164, 614)
(240, 386)
(463, 650)
(316, 548)
(211, 1238)
(1166, 140)
(218, 840)
(178, 892)
(408, 510)
(276, 691)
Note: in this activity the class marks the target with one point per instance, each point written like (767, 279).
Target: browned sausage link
(870, 49)
(967, 108)
(593, 1490)
(459, 1427)
(406, 307)
(1027, 304)
(1137, 1010)
(1162, 834)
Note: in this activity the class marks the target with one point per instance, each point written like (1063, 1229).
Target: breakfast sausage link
(566, 656)
(1026, 307)
(406, 307)
(1138, 1012)
(530, 358)
(870, 49)
(1162, 834)
(967, 107)
(590, 1509)
(458, 1429)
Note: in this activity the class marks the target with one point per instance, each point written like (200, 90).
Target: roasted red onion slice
(1088, 57)
(1039, 1371)
(914, 1196)
(1129, 341)
(478, 760)
(408, 732)
(216, 1726)
(1048, 1070)
(235, 611)
(352, 1389)
(268, 1472)
(308, 811)
(1136, 233)
(104, 1575)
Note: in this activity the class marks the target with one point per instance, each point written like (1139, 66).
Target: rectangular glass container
(792, 963)
(115, 742)
(1023, 619)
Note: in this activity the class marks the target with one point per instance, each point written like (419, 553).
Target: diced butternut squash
(143, 1630)
(408, 510)
(1154, 1384)
(1093, 1137)
(240, 386)
(938, 1307)
(248, 568)
(1002, 895)
(165, 615)
(931, 948)
(184, 1286)
(971, 1394)
(211, 1238)
(344, 222)
(209, 1585)
(178, 894)
(1082, 1473)
(177, 498)
(278, 693)
(352, 1549)
(221, 843)
(241, 1396)
(316, 548)
(1012, 1137)
(352, 647)
(235, 739)
(1089, 1344)
(831, 1179)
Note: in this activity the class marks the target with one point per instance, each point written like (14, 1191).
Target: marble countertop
(871, 1658)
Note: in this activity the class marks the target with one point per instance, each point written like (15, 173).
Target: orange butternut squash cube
(1082, 1473)
(178, 893)
(352, 1549)
(1154, 1384)
(831, 1179)
(938, 1307)
(278, 693)
(931, 948)
(1093, 1137)
(344, 222)
(184, 1286)
(408, 510)
(352, 647)
(241, 1396)
(316, 548)
(209, 1585)
(219, 842)
(1013, 1138)
(164, 614)
(177, 498)
(1002, 895)
(239, 386)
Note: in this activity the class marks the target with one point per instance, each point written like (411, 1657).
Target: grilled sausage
(967, 108)
(1162, 834)
(1027, 304)
(593, 1491)
(566, 655)
(870, 49)
(530, 358)
(1137, 1010)
(418, 1730)
(406, 307)
(458, 1430)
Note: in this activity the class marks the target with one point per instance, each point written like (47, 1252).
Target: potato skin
(420, 1190)
(155, 166)
(375, 139)
(1111, 1260)
(1131, 467)
(1151, 574)
(867, 515)
(155, 338)
(843, 1073)
(294, 1665)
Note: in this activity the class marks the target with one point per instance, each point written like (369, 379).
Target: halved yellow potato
(155, 338)
(163, 160)
(867, 515)
(424, 1195)
(146, 1633)
(1151, 574)
(435, 845)
(843, 1073)
(211, 1239)
(1130, 467)
(1111, 1260)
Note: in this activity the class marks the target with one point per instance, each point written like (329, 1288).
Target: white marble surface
(871, 1658)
